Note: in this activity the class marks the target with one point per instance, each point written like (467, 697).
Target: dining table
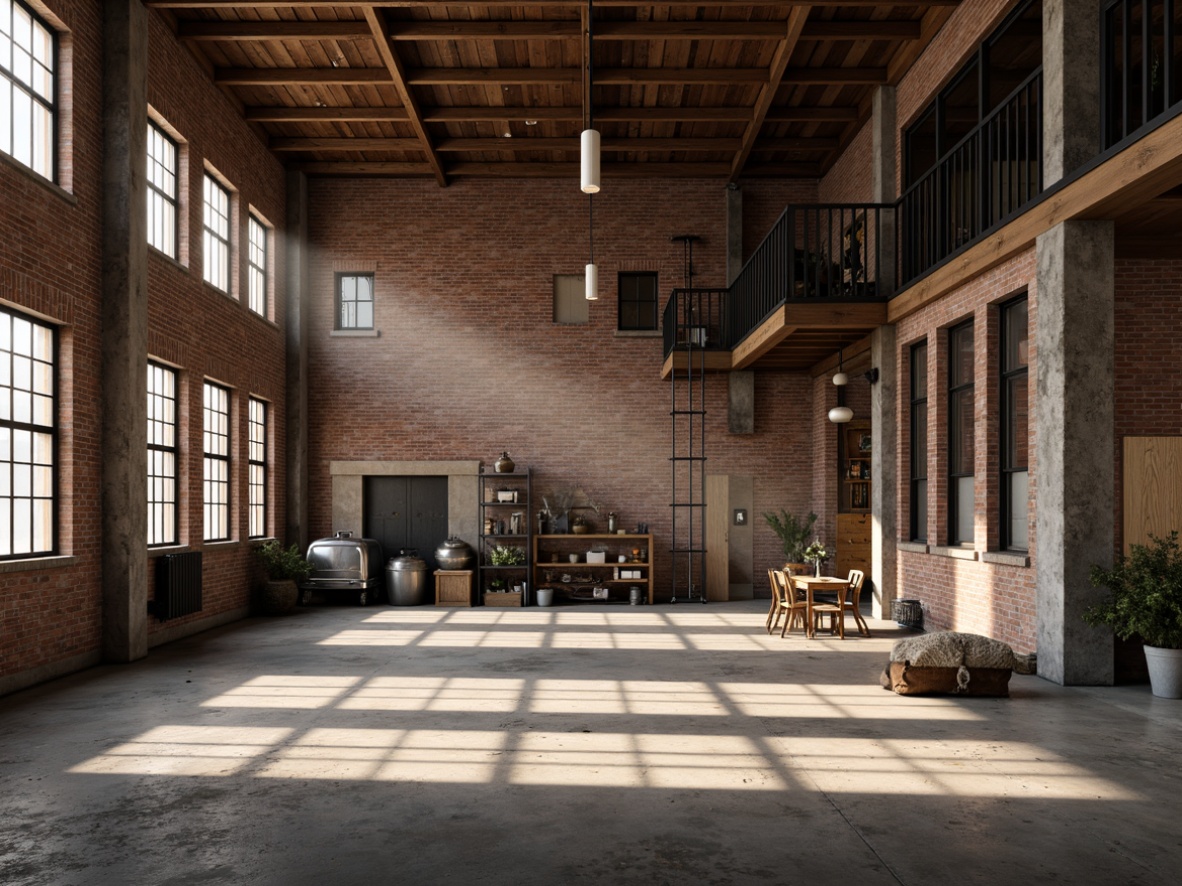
(826, 584)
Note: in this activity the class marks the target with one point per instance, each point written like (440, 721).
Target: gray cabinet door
(406, 512)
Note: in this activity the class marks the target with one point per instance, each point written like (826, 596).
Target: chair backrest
(781, 586)
(857, 577)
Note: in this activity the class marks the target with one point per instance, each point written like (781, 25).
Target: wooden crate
(453, 587)
(510, 599)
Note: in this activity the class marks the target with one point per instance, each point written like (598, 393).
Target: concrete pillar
(740, 413)
(297, 303)
(884, 136)
(734, 232)
(884, 468)
(125, 331)
(1070, 86)
(1074, 439)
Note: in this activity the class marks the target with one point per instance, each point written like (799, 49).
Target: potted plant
(793, 533)
(285, 568)
(816, 554)
(507, 555)
(1145, 600)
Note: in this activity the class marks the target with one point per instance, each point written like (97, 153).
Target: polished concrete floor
(622, 745)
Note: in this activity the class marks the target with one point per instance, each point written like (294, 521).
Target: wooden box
(453, 587)
(509, 599)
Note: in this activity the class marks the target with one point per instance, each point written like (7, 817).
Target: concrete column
(1074, 439)
(740, 413)
(734, 232)
(884, 468)
(125, 331)
(884, 136)
(297, 303)
(1070, 86)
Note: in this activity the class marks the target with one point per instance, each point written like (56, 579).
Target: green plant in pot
(793, 533)
(285, 568)
(1145, 600)
(507, 555)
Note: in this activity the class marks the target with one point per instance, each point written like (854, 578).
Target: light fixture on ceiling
(840, 413)
(589, 140)
(591, 271)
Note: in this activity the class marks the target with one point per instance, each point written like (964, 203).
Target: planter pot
(1165, 671)
(545, 596)
(278, 597)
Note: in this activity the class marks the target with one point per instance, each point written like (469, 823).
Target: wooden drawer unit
(853, 544)
(453, 587)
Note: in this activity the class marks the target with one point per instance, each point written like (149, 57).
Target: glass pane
(365, 289)
(960, 455)
(964, 510)
(365, 315)
(1015, 333)
(919, 441)
(1017, 423)
(919, 372)
(960, 370)
(1019, 507)
(920, 509)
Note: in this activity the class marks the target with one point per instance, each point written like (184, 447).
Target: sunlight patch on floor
(284, 691)
(436, 694)
(187, 750)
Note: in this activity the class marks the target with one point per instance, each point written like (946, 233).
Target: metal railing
(987, 177)
(1142, 73)
(696, 318)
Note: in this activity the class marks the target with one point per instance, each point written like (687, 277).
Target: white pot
(1165, 671)
(545, 596)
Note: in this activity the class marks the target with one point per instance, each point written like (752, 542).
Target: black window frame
(340, 301)
(207, 233)
(956, 391)
(919, 442)
(629, 299)
(51, 105)
(1008, 376)
(173, 199)
(211, 458)
(158, 504)
(256, 271)
(256, 458)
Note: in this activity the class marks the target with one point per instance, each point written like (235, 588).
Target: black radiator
(178, 585)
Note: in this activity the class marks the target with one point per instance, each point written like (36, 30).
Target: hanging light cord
(590, 63)
(591, 226)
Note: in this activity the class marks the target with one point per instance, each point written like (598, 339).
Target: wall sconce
(871, 376)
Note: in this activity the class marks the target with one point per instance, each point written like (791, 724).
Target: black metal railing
(696, 318)
(1142, 64)
(987, 177)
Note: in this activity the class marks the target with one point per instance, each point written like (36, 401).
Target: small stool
(453, 587)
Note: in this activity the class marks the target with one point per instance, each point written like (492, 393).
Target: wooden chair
(793, 603)
(853, 598)
(775, 610)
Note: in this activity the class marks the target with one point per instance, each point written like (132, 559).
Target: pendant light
(840, 413)
(589, 140)
(591, 271)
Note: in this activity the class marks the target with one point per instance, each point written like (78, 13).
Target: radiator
(178, 585)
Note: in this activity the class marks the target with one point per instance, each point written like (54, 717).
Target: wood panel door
(406, 512)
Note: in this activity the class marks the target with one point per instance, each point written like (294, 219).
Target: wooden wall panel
(1152, 487)
(717, 538)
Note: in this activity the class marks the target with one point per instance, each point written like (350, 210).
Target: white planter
(545, 596)
(1165, 671)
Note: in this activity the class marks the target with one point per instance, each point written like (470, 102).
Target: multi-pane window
(162, 455)
(216, 447)
(638, 300)
(256, 265)
(354, 301)
(216, 237)
(1015, 427)
(257, 458)
(960, 434)
(162, 191)
(28, 51)
(27, 436)
(919, 442)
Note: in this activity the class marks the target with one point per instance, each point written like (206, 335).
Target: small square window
(570, 299)
(638, 300)
(354, 301)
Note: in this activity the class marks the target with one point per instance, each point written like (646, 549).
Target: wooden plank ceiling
(441, 89)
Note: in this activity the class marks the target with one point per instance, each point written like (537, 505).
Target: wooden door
(406, 512)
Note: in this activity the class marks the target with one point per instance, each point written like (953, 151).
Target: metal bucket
(634, 596)
(406, 579)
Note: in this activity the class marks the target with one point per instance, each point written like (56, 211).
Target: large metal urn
(455, 553)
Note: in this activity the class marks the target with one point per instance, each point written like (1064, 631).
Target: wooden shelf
(545, 546)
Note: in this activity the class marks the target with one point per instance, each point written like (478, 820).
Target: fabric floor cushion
(949, 662)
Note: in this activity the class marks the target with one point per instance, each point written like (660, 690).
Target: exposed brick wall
(968, 595)
(50, 264)
(851, 179)
(468, 361)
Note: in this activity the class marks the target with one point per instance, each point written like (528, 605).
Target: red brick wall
(469, 363)
(967, 595)
(851, 179)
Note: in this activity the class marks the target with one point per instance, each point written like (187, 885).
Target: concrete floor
(647, 745)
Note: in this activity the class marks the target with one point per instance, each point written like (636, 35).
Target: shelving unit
(552, 565)
(504, 520)
(853, 468)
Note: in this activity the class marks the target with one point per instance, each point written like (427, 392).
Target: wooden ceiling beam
(279, 114)
(395, 70)
(509, 145)
(300, 76)
(284, 144)
(258, 114)
(559, 4)
(811, 115)
(605, 76)
(205, 31)
(767, 94)
(843, 76)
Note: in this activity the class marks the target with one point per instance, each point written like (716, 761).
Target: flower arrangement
(815, 552)
(507, 555)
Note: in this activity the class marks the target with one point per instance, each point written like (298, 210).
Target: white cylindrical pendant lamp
(840, 414)
(592, 282)
(589, 171)
(840, 378)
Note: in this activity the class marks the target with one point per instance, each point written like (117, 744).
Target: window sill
(638, 333)
(955, 553)
(218, 545)
(51, 186)
(1006, 558)
(50, 561)
(355, 333)
(912, 547)
(160, 550)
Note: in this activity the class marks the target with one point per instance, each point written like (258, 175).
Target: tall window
(256, 265)
(919, 442)
(960, 434)
(216, 239)
(162, 191)
(27, 436)
(216, 446)
(355, 301)
(638, 300)
(28, 49)
(162, 455)
(257, 458)
(1015, 427)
